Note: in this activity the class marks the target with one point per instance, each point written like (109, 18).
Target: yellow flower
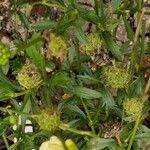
(93, 43)
(133, 107)
(29, 77)
(116, 76)
(4, 53)
(53, 144)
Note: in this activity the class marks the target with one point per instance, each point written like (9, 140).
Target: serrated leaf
(112, 46)
(80, 35)
(23, 19)
(116, 4)
(42, 25)
(107, 98)
(33, 51)
(136, 88)
(129, 30)
(89, 15)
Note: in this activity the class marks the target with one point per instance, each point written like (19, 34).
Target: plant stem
(97, 113)
(142, 42)
(134, 52)
(50, 5)
(66, 127)
(146, 90)
(89, 117)
(5, 140)
(96, 6)
(13, 95)
(78, 54)
(134, 132)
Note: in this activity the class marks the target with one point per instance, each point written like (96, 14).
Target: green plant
(69, 71)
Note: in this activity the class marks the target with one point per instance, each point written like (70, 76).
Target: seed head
(133, 107)
(57, 46)
(29, 77)
(116, 76)
(93, 43)
(49, 119)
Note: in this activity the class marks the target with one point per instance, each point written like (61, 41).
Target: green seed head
(116, 76)
(133, 107)
(48, 120)
(29, 77)
(4, 53)
(13, 119)
(93, 43)
(57, 46)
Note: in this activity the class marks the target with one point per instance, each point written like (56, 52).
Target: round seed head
(29, 77)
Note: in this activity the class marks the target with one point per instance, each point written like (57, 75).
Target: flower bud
(13, 119)
(29, 77)
(57, 46)
(116, 76)
(70, 145)
(93, 43)
(133, 107)
(4, 53)
(48, 120)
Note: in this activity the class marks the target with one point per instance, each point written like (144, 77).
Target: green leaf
(129, 30)
(107, 98)
(5, 68)
(33, 51)
(25, 108)
(3, 126)
(45, 25)
(116, 4)
(24, 19)
(101, 143)
(112, 46)
(80, 35)
(88, 79)
(143, 135)
(89, 15)
(136, 88)
(71, 54)
(6, 81)
(61, 79)
(74, 109)
(86, 93)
